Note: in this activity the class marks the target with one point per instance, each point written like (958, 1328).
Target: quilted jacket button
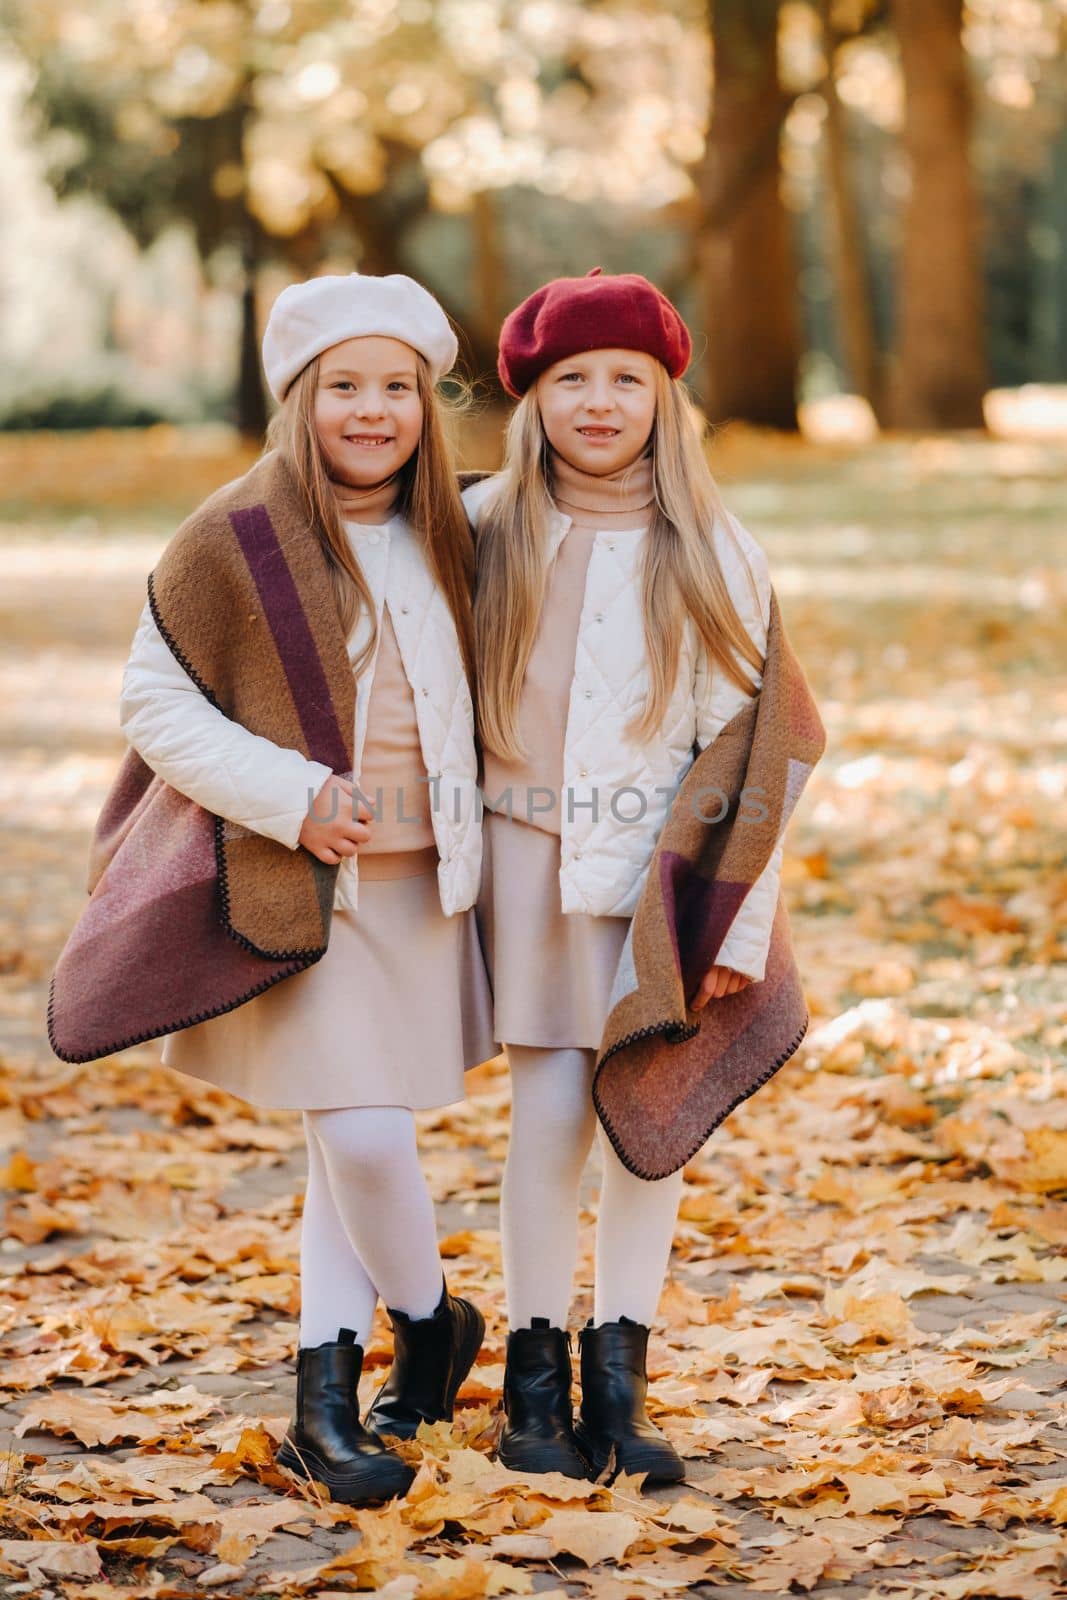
(404, 610)
(600, 616)
(589, 694)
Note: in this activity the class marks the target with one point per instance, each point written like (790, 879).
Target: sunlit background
(846, 197)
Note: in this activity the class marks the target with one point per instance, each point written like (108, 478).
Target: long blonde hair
(428, 498)
(680, 577)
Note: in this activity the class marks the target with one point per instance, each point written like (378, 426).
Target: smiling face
(368, 412)
(598, 408)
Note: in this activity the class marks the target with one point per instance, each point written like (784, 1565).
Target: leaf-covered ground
(863, 1346)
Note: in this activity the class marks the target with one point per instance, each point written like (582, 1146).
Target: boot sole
(468, 1351)
(656, 1464)
(393, 1478)
(543, 1459)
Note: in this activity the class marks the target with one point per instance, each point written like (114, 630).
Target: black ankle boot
(538, 1435)
(613, 1416)
(326, 1439)
(431, 1358)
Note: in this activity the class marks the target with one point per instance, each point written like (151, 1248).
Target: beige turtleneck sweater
(621, 500)
(392, 750)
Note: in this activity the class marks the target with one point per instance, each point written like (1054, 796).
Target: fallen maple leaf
(905, 1405)
(800, 1563)
(861, 1319)
(592, 1537)
(146, 1418)
(252, 1454)
(20, 1173)
(58, 1557)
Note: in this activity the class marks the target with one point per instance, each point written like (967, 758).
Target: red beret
(620, 312)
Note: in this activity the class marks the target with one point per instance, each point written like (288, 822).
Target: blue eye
(397, 383)
(566, 377)
(628, 377)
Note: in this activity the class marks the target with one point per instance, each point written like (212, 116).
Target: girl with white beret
(301, 673)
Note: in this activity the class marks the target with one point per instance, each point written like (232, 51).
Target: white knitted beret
(307, 318)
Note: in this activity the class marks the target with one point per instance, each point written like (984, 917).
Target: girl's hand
(718, 981)
(330, 831)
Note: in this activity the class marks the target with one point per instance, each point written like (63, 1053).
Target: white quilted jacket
(250, 780)
(604, 859)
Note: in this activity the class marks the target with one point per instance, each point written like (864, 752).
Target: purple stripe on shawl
(699, 912)
(293, 638)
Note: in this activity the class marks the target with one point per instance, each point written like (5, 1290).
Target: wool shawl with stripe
(667, 1076)
(190, 915)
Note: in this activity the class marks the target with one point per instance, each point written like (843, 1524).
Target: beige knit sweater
(392, 750)
(620, 500)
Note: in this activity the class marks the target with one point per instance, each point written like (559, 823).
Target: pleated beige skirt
(551, 973)
(393, 1014)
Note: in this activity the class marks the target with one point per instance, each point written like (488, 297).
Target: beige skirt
(551, 973)
(396, 1010)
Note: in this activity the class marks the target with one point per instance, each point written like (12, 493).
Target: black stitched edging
(675, 1033)
(223, 878)
(171, 1027)
(221, 871)
(175, 649)
(644, 1033)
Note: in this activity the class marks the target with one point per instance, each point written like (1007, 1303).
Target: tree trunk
(863, 359)
(251, 402)
(1047, 352)
(490, 285)
(379, 239)
(746, 244)
(942, 370)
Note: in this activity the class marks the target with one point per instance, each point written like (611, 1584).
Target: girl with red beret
(621, 621)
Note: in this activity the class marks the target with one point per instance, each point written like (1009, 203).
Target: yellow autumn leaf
(20, 1173)
(592, 1537)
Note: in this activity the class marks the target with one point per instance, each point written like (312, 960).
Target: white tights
(553, 1121)
(369, 1226)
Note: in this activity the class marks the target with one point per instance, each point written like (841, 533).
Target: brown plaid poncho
(190, 915)
(666, 1076)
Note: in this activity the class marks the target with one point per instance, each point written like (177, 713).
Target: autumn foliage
(862, 1349)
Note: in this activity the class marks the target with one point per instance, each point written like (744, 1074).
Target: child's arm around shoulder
(204, 754)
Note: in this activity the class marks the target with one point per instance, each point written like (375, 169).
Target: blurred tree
(850, 264)
(486, 144)
(1018, 59)
(942, 372)
(152, 171)
(596, 107)
(306, 132)
(286, 133)
(847, 165)
(1048, 303)
(746, 248)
